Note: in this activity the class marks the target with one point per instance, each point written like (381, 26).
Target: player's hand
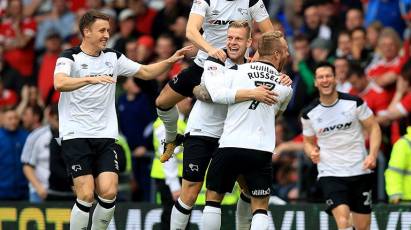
(218, 53)
(370, 162)
(285, 79)
(179, 54)
(176, 195)
(42, 192)
(315, 155)
(265, 95)
(102, 80)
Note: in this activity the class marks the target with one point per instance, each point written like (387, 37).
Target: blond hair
(241, 24)
(270, 42)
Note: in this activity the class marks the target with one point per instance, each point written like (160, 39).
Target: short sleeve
(363, 111)
(28, 155)
(287, 100)
(199, 7)
(127, 67)
(308, 129)
(63, 65)
(259, 12)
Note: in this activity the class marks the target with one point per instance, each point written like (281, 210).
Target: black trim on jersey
(234, 67)
(267, 63)
(68, 53)
(260, 211)
(214, 204)
(346, 96)
(107, 50)
(310, 107)
(216, 60)
(208, 2)
(251, 3)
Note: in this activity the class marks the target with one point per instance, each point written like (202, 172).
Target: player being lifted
(213, 16)
(205, 125)
(248, 139)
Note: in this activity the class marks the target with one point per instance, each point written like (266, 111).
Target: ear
(249, 42)
(86, 31)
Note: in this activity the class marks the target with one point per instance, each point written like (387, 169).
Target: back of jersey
(251, 124)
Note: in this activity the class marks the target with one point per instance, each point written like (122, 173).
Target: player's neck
(328, 100)
(269, 61)
(89, 49)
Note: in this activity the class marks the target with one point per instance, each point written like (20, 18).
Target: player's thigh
(198, 151)
(84, 187)
(78, 156)
(259, 173)
(105, 156)
(223, 171)
(335, 191)
(190, 191)
(186, 80)
(243, 184)
(168, 98)
(361, 221)
(106, 185)
(360, 193)
(259, 202)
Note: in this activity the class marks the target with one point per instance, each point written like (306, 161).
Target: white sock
(180, 215)
(211, 218)
(103, 213)
(260, 222)
(243, 213)
(169, 118)
(79, 215)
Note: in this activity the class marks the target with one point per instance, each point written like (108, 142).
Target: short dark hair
(89, 18)
(356, 69)
(37, 111)
(325, 64)
(358, 28)
(406, 71)
(300, 38)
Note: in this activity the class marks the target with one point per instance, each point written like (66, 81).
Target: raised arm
(374, 132)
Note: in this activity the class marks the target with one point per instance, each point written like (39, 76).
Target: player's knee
(363, 225)
(343, 221)
(160, 102)
(85, 195)
(109, 192)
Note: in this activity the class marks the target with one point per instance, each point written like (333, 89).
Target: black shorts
(84, 156)
(186, 80)
(229, 163)
(198, 151)
(353, 191)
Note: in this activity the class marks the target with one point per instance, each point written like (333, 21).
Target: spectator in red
(145, 49)
(16, 36)
(144, 16)
(8, 98)
(385, 70)
(377, 99)
(48, 61)
(165, 47)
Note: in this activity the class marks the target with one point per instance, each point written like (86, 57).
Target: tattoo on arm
(201, 93)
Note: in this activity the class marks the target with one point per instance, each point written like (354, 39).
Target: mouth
(233, 50)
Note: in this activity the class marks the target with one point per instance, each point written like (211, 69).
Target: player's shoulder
(349, 97)
(68, 53)
(309, 108)
(109, 50)
(215, 60)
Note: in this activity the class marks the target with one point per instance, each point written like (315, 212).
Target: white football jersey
(89, 112)
(218, 14)
(339, 135)
(249, 124)
(207, 119)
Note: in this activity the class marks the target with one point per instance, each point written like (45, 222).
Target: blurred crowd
(367, 41)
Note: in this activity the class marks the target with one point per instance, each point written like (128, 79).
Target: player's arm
(65, 83)
(260, 14)
(373, 129)
(311, 148)
(151, 71)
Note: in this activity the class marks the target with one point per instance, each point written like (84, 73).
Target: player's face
(284, 54)
(98, 33)
(325, 81)
(237, 43)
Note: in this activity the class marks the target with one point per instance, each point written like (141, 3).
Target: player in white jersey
(337, 120)
(88, 123)
(248, 139)
(213, 17)
(205, 124)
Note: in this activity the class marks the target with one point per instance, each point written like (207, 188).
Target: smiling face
(325, 81)
(98, 33)
(237, 43)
